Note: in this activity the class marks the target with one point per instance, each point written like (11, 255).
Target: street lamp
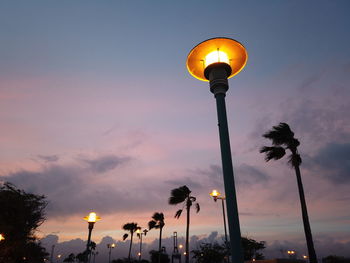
(2, 237)
(215, 60)
(110, 246)
(139, 234)
(92, 218)
(216, 195)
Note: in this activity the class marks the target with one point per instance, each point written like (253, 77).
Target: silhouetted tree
(251, 247)
(335, 259)
(131, 227)
(21, 214)
(283, 139)
(82, 257)
(210, 253)
(216, 253)
(183, 195)
(70, 258)
(157, 222)
(156, 256)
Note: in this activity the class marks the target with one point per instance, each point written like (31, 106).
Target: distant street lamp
(215, 60)
(139, 234)
(2, 237)
(58, 257)
(291, 253)
(92, 218)
(216, 195)
(110, 246)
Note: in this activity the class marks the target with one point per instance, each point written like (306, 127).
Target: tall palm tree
(132, 228)
(283, 139)
(183, 195)
(157, 222)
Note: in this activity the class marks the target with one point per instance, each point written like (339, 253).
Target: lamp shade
(214, 50)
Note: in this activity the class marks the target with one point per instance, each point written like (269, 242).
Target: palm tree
(132, 228)
(157, 222)
(283, 139)
(183, 195)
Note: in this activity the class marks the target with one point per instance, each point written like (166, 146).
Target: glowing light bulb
(216, 56)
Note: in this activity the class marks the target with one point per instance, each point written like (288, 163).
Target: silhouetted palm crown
(157, 222)
(182, 194)
(131, 227)
(282, 138)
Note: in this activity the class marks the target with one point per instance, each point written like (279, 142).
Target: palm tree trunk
(160, 244)
(132, 234)
(187, 256)
(307, 229)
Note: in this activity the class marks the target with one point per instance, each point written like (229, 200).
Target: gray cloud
(76, 188)
(48, 158)
(250, 175)
(332, 162)
(105, 163)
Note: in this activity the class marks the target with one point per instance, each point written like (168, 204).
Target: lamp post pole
(216, 195)
(92, 218)
(215, 60)
(219, 86)
(110, 246)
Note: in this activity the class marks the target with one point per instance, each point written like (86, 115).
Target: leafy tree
(21, 214)
(132, 228)
(335, 259)
(157, 222)
(70, 258)
(250, 248)
(283, 139)
(217, 253)
(183, 195)
(210, 253)
(82, 257)
(156, 256)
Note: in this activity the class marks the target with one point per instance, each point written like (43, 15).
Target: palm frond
(293, 144)
(158, 216)
(294, 160)
(198, 208)
(151, 224)
(280, 134)
(178, 213)
(130, 227)
(145, 231)
(178, 195)
(274, 152)
(125, 236)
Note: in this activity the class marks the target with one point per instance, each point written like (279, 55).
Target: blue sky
(97, 111)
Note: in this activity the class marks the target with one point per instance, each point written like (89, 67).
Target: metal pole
(52, 251)
(110, 251)
(140, 246)
(224, 216)
(91, 226)
(219, 86)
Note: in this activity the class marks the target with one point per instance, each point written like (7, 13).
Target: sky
(99, 113)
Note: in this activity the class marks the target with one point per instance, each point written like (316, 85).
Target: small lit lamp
(139, 233)
(216, 60)
(2, 237)
(216, 195)
(110, 246)
(92, 218)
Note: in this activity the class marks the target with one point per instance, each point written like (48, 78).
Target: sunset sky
(98, 112)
